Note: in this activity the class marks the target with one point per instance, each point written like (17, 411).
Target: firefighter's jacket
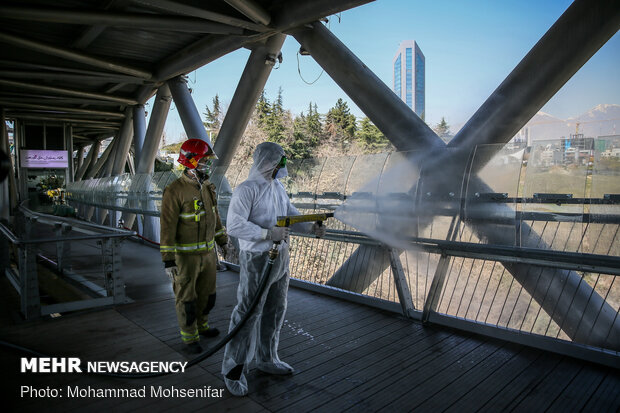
(190, 221)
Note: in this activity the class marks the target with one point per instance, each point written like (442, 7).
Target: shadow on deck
(348, 357)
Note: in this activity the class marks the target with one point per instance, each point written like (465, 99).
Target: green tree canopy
(212, 116)
(370, 137)
(340, 123)
(442, 129)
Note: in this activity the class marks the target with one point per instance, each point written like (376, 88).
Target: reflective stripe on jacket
(189, 218)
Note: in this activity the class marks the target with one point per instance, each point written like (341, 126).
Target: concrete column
(407, 133)
(90, 160)
(139, 129)
(242, 106)
(187, 110)
(98, 163)
(102, 164)
(122, 149)
(80, 159)
(145, 163)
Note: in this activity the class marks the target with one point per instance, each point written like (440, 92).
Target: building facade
(409, 76)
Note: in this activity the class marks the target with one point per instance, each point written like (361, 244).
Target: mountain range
(601, 120)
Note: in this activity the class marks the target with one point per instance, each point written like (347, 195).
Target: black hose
(273, 254)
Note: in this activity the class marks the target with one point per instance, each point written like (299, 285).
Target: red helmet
(192, 151)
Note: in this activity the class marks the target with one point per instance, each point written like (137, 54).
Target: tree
(442, 129)
(341, 124)
(299, 147)
(212, 117)
(274, 122)
(313, 125)
(263, 109)
(370, 137)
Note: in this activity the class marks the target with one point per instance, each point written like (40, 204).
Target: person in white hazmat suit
(254, 207)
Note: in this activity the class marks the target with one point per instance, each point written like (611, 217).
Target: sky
(470, 47)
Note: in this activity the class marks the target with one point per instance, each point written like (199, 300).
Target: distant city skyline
(468, 55)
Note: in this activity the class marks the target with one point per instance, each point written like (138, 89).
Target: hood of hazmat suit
(259, 200)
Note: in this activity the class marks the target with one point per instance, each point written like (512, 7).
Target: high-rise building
(409, 73)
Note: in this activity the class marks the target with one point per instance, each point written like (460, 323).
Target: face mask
(280, 167)
(282, 172)
(204, 167)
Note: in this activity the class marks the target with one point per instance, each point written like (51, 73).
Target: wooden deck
(348, 357)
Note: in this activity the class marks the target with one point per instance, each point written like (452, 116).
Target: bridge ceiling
(79, 61)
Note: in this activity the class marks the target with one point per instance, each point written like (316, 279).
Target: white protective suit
(253, 209)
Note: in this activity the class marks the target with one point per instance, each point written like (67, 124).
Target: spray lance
(287, 221)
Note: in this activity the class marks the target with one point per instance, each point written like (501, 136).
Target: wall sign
(44, 159)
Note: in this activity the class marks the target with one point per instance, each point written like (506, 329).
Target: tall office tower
(409, 76)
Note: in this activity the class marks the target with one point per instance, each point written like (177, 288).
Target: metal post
(402, 286)
(63, 248)
(434, 292)
(114, 283)
(28, 281)
(187, 110)
(139, 129)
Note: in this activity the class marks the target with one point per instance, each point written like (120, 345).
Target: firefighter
(190, 227)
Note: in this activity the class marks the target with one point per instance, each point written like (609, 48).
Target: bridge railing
(41, 248)
(544, 207)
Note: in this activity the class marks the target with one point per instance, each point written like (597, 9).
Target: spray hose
(283, 221)
(273, 254)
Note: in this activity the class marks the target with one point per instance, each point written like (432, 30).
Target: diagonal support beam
(565, 287)
(188, 113)
(248, 90)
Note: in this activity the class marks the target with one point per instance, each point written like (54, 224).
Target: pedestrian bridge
(460, 276)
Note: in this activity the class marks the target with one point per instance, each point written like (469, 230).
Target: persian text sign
(44, 159)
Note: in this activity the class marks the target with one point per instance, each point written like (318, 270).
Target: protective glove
(278, 234)
(171, 269)
(318, 230)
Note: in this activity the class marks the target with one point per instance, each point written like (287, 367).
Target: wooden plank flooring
(348, 357)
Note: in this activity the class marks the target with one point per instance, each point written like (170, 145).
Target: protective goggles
(282, 163)
(204, 165)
